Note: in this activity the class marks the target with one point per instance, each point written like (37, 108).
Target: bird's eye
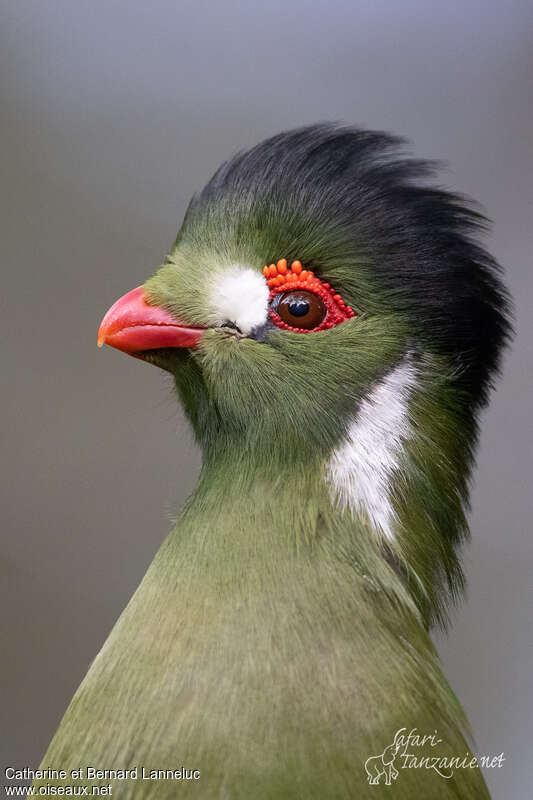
(301, 309)
(301, 302)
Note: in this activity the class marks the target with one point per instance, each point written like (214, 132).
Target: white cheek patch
(359, 472)
(239, 295)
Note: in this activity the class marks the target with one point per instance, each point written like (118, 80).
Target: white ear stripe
(238, 295)
(359, 471)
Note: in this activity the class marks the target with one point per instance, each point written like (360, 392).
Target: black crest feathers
(364, 211)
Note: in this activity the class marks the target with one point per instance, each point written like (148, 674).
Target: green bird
(332, 325)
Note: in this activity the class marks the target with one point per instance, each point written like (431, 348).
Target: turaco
(332, 325)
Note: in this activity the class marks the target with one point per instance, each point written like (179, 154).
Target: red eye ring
(283, 279)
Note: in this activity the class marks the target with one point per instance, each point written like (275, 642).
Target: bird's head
(324, 306)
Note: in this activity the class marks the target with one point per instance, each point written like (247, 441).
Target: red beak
(131, 325)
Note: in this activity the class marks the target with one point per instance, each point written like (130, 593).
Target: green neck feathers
(267, 630)
(280, 637)
(386, 474)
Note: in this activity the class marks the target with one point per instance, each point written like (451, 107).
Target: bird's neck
(272, 519)
(265, 621)
(385, 488)
(262, 584)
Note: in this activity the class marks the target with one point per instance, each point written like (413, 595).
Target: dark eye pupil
(299, 307)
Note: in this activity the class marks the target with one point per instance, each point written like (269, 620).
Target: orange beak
(131, 325)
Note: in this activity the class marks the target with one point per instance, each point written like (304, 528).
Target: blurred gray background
(112, 114)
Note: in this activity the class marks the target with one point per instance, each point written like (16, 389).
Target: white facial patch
(239, 295)
(360, 470)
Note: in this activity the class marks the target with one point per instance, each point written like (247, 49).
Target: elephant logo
(383, 765)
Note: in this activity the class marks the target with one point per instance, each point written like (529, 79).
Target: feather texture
(361, 469)
(276, 642)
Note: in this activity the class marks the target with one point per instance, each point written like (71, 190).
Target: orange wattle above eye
(300, 301)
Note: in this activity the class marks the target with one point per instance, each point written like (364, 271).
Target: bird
(333, 326)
